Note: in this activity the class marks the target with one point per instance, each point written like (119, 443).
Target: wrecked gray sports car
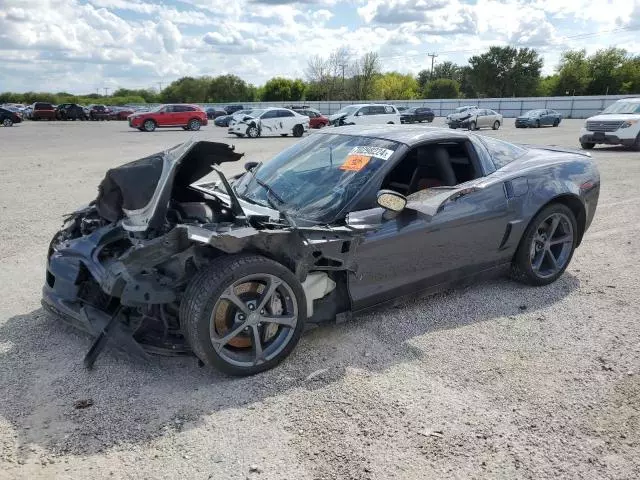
(173, 258)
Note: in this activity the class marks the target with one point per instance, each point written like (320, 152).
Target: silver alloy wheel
(149, 126)
(252, 131)
(7, 122)
(256, 323)
(552, 245)
(194, 125)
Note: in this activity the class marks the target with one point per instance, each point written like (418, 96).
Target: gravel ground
(497, 380)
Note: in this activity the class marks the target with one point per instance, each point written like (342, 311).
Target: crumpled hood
(138, 192)
(336, 116)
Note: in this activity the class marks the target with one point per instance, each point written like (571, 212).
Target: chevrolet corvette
(173, 257)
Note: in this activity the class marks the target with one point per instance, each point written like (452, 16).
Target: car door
(443, 235)
(287, 121)
(268, 123)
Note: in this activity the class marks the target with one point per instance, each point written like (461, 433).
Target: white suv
(618, 124)
(368, 114)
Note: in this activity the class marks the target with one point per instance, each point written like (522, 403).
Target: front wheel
(556, 122)
(253, 132)
(496, 125)
(243, 314)
(298, 130)
(149, 126)
(587, 145)
(194, 125)
(546, 247)
(537, 123)
(7, 122)
(472, 126)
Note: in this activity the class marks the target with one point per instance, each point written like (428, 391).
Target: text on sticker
(355, 163)
(379, 152)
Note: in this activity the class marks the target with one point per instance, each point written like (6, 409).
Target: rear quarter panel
(541, 177)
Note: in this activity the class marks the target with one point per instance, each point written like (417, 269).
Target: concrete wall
(569, 107)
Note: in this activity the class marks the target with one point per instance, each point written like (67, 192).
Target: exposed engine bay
(119, 267)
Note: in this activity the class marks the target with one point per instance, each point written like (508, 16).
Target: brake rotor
(227, 315)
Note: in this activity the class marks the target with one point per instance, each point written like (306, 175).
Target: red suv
(189, 117)
(43, 110)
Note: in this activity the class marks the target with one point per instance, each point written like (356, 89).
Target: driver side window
(439, 164)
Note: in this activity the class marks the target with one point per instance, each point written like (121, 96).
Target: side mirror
(390, 200)
(359, 114)
(250, 166)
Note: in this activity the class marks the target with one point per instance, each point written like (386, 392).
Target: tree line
(499, 72)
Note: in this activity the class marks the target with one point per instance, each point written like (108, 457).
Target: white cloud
(81, 45)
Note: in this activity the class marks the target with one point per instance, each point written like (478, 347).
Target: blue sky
(84, 45)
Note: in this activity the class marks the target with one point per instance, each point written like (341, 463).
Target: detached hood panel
(139, 192)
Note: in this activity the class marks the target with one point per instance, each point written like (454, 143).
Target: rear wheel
(546, 247)
(556, 122)
(243, 314)
(472, 126)
(194, 125)
(636, 145)
(298, 130)
(149, 125)
(496, 125)
(7, 122)
(587, 145)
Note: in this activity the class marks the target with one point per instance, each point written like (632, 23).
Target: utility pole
(106, 91)
(433, 58)
(160, 87)
(343, 65)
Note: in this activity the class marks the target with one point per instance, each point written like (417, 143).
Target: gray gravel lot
(497, 380)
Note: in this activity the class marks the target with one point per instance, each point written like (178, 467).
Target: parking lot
(497, 380)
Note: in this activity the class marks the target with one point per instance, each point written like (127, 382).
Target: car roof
(632, 100)
(407, 134)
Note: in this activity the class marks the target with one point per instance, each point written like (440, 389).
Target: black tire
(252, 131)
(531, 247)
(149, 126)
(201, 302)
(587, 145)
(556, 122)
(636, 144)
(7, 122)
(389, 123)
(194, 124)
(284, 134)
(298, 130)
(473, 126)
(496, 125)
(537, 123)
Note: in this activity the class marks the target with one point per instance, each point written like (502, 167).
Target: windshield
(533, 113)
(411, 110)
(157, 109)
(254, 113)
(317, 177)
(350, 110)
(622, 107)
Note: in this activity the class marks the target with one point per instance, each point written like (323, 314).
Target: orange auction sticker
(355, 163)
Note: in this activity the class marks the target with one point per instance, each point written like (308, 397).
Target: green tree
(447, 70)
(442, 88)
(298, 89)
(277, 89)
(505, 72)
(396, 86)
(573, 73)
(629, 75)
(547, 86)
(603, 68)
(186, 90)
(228, 88)
(423, 78)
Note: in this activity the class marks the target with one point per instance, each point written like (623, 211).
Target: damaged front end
(119, 267)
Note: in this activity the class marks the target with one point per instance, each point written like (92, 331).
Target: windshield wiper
(269, 190)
